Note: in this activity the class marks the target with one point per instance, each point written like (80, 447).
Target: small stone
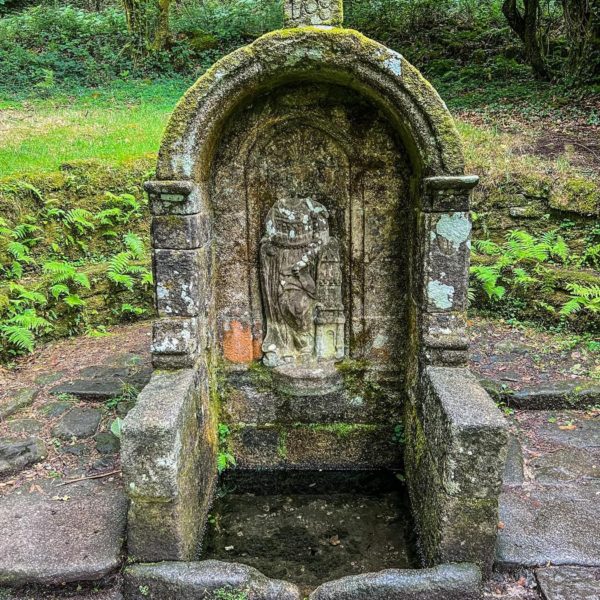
(24, 426)
(47, 378)
(107, 443)
(124, 407)
(78, 423)
(15, 455)
(75, 449)
(17, 400)
(55, 409)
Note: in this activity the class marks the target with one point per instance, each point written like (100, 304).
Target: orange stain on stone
(238, 345)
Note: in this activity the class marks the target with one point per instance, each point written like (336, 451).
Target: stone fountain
(311, 241)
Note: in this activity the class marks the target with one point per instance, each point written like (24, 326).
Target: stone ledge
(444, 582)
(196, 580)
(466, 432)
(169, 465)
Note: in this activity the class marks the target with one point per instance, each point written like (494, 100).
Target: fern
(79, 219)
(134, 244)
(582, 298)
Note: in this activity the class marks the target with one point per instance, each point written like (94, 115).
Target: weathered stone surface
(300, 13)
(250, 401)
(175, 339)
(107, 443)
(78, 423)
(173, 197)
(513, 470)
(55, 409)
(15, 455)
(569, 583)
(30, 426)
(454, 455)
(465, 431)
(445, 582)
(44, 541)
(549, 524)
(169, 465)
(305, 381)
(200, 580)
(555, 395)
(17, 400)
(103, 382)
(179, 282)
(180, 232)
(316, 446)
(37, 593)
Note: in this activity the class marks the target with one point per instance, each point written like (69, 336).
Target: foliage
(45, 287)
(225, 458)
(522, 271)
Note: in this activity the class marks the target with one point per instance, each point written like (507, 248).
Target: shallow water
(311, 527)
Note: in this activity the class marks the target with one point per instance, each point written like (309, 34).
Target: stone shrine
(311, 241)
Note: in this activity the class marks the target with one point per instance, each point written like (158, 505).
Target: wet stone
(16, 401)
(569, 583)
(15, 455)
(78, 423)
(107, 443)
(307, 532)
(24, 426)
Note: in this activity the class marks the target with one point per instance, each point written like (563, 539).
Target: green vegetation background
(82, 112)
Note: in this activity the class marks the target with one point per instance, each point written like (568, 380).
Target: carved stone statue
(301, 285)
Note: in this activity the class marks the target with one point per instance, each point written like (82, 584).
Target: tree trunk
(148, 23)
(582, 25)
(526, 26)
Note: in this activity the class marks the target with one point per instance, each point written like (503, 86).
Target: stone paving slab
(74, 535)
(569, 583)
(549, 524)
(103, 382)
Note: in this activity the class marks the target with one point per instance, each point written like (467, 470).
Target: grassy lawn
(113, 124)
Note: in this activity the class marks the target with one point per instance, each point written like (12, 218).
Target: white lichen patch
(394, 63)
(455, 228)
(440, 294)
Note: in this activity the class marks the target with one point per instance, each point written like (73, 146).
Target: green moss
(339, 429)
(577, 195)
(261, 376)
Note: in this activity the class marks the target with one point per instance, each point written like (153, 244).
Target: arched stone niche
(332, 113)
(397, 155)
(332, 145)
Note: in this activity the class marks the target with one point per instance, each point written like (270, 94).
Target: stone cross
(305, 13)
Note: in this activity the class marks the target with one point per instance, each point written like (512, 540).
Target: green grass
(114, 124)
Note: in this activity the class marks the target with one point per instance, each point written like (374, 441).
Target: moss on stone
(577, 195)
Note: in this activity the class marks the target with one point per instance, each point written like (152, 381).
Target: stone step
(316, 446)
(66, 534)
(248, 400)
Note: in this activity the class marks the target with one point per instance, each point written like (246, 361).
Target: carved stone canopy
(303, 13)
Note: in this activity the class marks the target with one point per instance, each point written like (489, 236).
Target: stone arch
(312, 54)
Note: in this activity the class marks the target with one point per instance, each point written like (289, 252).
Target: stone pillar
(305, 13)
(182, 264)
(444, 228)
(455, 436)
